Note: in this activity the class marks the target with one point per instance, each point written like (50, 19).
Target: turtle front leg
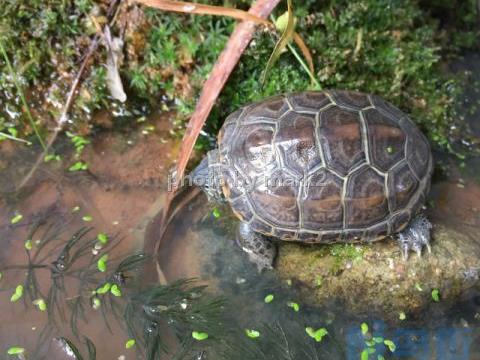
(261, 250)
(415, 236)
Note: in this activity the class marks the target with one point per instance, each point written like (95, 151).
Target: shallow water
(121, 195)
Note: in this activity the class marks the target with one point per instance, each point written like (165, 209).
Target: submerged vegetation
(392, 48)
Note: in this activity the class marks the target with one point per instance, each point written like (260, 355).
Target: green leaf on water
(378, 339)
(380, 357)
(102, 263)
(418, 287)
(216, 213)
(15, 350)
(294, 306)
(402, 315)
(370, 343)
(41, 304)
(197, 335)
(16, 219)
(252, 333)
(96, 303)
(115, 290)
(436, 295)
(364, 355)
(28, 244)
(130, 343)
(316, 334)
(102, 238)
(364, 328)
(268, 299)
(87, 218)
(391, 345)
(17, 295)
(78, 166)
(51, 157)
(104, 288)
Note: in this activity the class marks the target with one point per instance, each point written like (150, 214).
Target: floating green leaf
(102, 238)
(104, 288)
(16, 350)
(402, 315)
(380, 357)
(78, 166)
(268, 299)
(418, 287)
(436, 295)
(197, 335)
(130, 343)
(364, 355)
(96, 303)
(316, 334)
(16, 219)
(216, 213)
(87, 218)
(102, 263)
(252, 333)
(41, 304)
(370, 343)
(377, 339)
(28, 244)
(115, 290)
(294, 306)
(17, 295)
(364, 328)
(51, 157)
(390, 344)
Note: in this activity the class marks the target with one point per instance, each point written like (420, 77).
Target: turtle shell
(324, 166)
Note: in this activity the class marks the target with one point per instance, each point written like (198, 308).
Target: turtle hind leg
(415, 236)
(260, 249)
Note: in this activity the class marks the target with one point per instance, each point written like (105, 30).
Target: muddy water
(127, 173)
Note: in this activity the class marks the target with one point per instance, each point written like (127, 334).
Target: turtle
(320, 167)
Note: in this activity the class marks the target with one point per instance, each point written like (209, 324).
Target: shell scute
(365, 198)
(308, 101)
(297, 144)
(351, 99)
(322, 202)
(402, 185)
(275, 199)
(386, 139)
(270, 109)
(340, 136)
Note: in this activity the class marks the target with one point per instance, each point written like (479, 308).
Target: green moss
(343, 253)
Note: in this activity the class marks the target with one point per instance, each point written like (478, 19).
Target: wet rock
(374, 278)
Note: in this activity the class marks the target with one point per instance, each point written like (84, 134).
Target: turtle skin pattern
(323, 167)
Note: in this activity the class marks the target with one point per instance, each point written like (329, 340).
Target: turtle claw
(415, 237)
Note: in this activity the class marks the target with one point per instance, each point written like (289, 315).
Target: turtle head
(207, 175)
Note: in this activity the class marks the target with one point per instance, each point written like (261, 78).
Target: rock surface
(374, 278)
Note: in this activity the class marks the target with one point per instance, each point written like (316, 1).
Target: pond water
(62, 297)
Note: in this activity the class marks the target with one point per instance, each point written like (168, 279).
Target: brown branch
(201, 9)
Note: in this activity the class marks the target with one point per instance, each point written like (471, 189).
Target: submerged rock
(374, 278)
